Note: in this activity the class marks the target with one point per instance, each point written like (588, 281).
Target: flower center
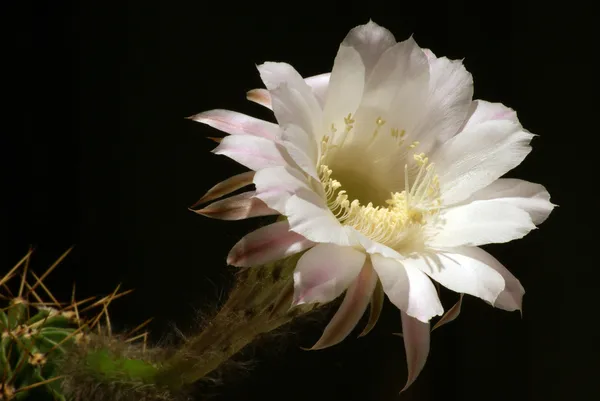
(401, 217)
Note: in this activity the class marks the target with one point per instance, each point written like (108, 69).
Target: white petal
(375, 248)
(478, 156)
(346, 87)
(511, 298)
(531, 197)
(371, 41)
(235, 123)
(482, 111)
(462, 270)
(324, 272)
(351, 310)
(302, 148)
(293, 101)
(237, 207)
(408, 288)
(416, 336)
(276, 185)
(481, 222)
(450, 97)
(267, 244)
(253, 152)
(317, 83)
(309, 216)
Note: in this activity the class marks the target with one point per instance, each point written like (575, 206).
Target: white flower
(385, 169)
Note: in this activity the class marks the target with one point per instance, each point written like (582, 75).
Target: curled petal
(226, 187)
(235, 123)
(351, 310)
(416, 343)
(324, 272)
(267, 244)
(408, 288)
(237, 207)
(376, 307)
(463, 270)
(450, 315)
(253, 152)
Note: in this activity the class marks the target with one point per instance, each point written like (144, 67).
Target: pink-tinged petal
(260, 96)
(376, 307)
(346, 87)
(267, 244)
(482, 111)
(235, 123)
(253, 152)
(276, 185)
(416, 336)
(370, 41)
(309, 216)
(237, 207)
(528, 196)
(450, 315)
(449, 102)
(476, 157)
(511, 298)
(226, 187)
(351, 310)
(430, 55)
(463, 270)
(302, 148)
(408, 288)
(324, 272)
(481, 222)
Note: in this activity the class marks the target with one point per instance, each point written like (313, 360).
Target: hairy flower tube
(387, 175)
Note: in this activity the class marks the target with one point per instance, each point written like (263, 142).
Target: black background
(102, 157)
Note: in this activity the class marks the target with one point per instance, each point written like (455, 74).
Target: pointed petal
(253, 152)
(482, 111)
(476, 157)
(324, 272)
(235, 123)
(226, 187)
(267, 244)
(480, 223)
(463, 270)
(309, 216)
(346, 87)
(408, 288)
(376, 307)
(528, 196)
(275, 185)
(416, 343)
(237, 207)
(370, 41)
(260, 96)
(351, 310)
(450, 315)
